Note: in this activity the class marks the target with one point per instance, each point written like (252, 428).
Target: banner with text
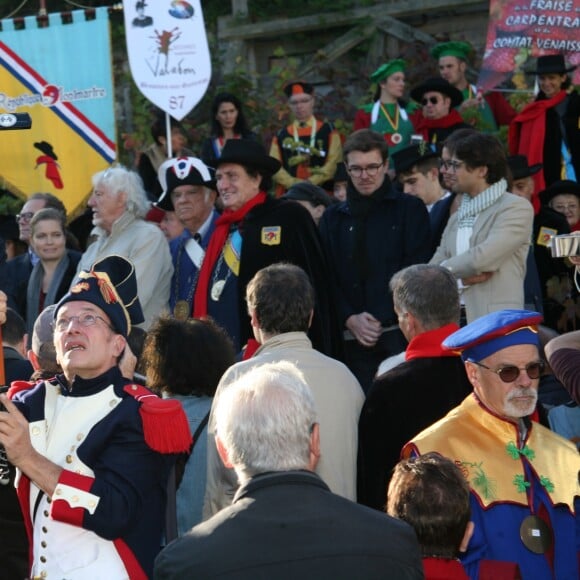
(521, 30)
(60, 74)
(168, 52)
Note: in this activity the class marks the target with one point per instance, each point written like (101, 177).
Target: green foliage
(9, 205)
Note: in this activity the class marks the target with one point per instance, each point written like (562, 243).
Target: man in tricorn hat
(255, 231)
(188, 190)
(308, 149)
(438, 117)
(547, 131)
(523, 478)
(93, 451)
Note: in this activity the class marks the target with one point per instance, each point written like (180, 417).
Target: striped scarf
(471, 207)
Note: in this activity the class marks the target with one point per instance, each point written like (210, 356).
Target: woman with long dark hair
(227, 122)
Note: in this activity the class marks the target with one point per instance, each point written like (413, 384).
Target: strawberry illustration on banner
(168, 52)
(518, 32)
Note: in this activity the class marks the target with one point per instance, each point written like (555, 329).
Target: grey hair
(428, 292)
(118, 180)
(265, 419)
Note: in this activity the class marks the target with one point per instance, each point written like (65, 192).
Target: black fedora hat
(564, 187)
(306, 191)
(519, 167)
(438, 85)
(551, 64)
(407, 158)
(248, 152)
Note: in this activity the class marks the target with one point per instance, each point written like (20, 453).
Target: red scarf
(423, 125)
(428, 344)
(526, 137)
(216, 244)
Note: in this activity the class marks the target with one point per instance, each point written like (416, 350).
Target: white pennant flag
(168, 52)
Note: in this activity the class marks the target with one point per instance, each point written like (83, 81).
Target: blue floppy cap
(492, 332)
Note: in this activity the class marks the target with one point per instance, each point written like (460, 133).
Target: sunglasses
(432, 100)
(510, 373)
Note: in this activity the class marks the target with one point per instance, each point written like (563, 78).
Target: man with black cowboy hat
(94, 452)
(188, 190)
(307, 148)
(255, 231)
(547, 223)
(417, 169)
(547, 131)
(438, 117)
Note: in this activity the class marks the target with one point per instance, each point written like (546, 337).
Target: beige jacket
(338, 398)
(499, 244)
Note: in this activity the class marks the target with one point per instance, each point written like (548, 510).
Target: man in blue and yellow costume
(523, 478)
(308, 148)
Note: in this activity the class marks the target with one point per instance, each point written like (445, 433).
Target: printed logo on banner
(168, 53)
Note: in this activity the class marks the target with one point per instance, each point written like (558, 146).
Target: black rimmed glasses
(432, 100)
(509, 373)
(370, 170)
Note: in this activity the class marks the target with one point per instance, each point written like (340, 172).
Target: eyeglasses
(84, 320)
(371, 170)
(300, 102)
(450, 165)
(24, 217)
(432, 100)
(510, 373)
(565, 207)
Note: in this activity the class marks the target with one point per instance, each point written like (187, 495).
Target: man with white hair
(119, 204)
(284, 522)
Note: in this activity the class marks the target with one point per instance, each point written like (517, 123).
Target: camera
(565, 245)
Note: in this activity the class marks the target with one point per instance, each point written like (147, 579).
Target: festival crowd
(344, 357)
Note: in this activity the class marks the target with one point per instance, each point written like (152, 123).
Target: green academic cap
(458, 49)
(387, 69)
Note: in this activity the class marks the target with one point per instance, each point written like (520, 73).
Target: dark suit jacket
(300, 245)
(16, 367)
(15, 280)
(400, 404)
(290, 526)
(438, 217)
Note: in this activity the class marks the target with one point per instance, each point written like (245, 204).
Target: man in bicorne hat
(93, 451)
(188, 190)
(523, 478)
(438, 116)
(307, 148)
(255, 231)
(452, 59)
